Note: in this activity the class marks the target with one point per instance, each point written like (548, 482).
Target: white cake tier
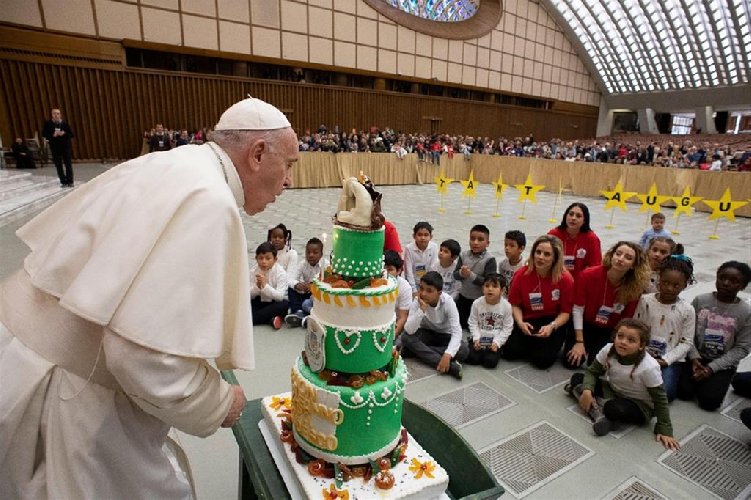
(346, 308)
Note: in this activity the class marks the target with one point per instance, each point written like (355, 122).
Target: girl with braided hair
(286, 256)
(671, 320)
(629, 382)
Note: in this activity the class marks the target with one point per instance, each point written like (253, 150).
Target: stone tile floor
(604, 465)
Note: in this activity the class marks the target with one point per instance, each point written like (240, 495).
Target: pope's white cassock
(133, 282)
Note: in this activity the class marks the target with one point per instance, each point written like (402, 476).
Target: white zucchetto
(252, 114)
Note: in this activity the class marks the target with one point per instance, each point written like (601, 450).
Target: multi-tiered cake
(348, 385)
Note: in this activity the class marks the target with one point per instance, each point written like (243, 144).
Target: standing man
(57, 133)
(135, 282)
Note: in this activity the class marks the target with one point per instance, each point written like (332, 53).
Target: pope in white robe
(133, 283)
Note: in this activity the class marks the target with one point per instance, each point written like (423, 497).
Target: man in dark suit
(58, 134)
(22, 154)
(160, 141)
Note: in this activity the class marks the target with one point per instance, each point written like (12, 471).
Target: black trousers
(540, 351)
(296, 299)
(595, 339)
(709, 392)
(484, 357)
(617, 409)
(60, 157)
(264, 312)
(742, 384)
(428, 346)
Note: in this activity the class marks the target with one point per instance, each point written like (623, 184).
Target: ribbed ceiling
(653, 45)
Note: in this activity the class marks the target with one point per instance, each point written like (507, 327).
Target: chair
(38, 151)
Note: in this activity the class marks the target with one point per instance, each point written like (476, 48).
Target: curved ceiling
(661, 45)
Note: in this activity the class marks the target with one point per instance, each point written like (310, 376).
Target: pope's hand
(236, 409)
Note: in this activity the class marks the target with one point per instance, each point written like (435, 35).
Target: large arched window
(438, 10)
(455, 19)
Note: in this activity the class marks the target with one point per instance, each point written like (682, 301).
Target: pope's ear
(255, 152)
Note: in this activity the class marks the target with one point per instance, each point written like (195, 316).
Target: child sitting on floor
(432, 332)
(393, 264)
(299, 284)
(660, 248)
(490, 323)
(419, 255)
(631, 387)
(671, 320)
(722, 338)
(268, 288)
(286, 256)
(514, 243)
(471, 267)
(448, 252)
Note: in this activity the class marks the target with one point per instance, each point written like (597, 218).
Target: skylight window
(438, 10)
(673, 43)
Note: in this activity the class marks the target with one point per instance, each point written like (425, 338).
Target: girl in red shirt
(541, 297)
(603, 295)
(581, 246)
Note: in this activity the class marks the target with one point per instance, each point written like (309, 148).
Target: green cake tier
(344, 424)
(356, 327)
(357, 253)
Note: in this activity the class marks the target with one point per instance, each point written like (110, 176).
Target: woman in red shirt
(603, 295)
(541, 297)
(581, 246)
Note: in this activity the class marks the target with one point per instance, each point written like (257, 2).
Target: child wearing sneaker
(432, 332)
(631, 387)
(299, 284)
(268, 288)
(490, 323)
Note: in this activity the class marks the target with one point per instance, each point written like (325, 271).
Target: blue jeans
(670, 376)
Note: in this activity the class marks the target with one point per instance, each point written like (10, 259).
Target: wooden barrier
(585, 179)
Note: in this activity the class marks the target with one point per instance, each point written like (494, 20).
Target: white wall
(526, 53)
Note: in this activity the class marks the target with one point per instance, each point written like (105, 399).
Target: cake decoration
(422, 468)
(334, 494)
(348, 384)
(315, 339)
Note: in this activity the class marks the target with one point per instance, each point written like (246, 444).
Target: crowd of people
(618, 313)
(707, 152)
(161, 139)
(132, 295)
(713, 152)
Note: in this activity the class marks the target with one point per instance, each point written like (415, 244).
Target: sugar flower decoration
(422, 468)
(333, 494)
(278, 403)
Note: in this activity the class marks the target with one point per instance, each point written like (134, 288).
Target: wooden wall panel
(110, 109)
